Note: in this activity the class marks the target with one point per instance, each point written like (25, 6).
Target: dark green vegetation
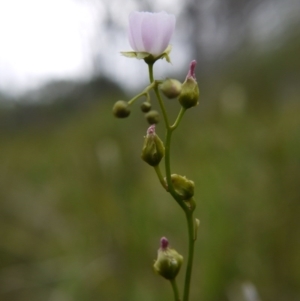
(81, 214)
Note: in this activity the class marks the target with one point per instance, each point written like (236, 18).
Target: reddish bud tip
(164, 243)
(151, 130)
(191, 72)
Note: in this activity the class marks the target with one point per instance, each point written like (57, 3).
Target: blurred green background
(81, 215)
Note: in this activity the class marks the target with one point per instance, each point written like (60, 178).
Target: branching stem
(169, 187)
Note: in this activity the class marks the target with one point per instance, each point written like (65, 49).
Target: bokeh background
(81, 215)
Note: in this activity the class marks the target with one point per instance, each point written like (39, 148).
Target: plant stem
(189, 218)
(170, 189)
(175, 290)
(150, 69)
(143, 93)
(160, 101)
(179, 201)
(160, 177)
(188, 273)
(178, 119)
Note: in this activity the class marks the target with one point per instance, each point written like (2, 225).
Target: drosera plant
(149, 36)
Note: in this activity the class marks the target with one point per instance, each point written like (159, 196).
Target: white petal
(150, 32)
(134, 32)
(165, 24)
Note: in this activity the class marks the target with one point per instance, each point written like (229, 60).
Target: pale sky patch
(41, 40)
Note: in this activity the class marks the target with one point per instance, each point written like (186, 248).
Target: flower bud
(171, 88)
(153, 148)
(190, 92)
(121, 109)
(146, 107)
(183, 186)
(168, 261)
(152, 117)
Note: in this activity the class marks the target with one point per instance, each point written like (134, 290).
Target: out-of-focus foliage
(81, 215)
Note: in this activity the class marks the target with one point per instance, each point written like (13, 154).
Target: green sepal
(136, 55)
(168, 263)
(153, 149)
(189, 96)
(166, 54)
(147, 56)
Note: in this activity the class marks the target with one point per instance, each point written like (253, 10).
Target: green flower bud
(168, 261)
(190, 92)
(121, 109)
(183, 186)
(153, 148)
(146, 107)
(171, 88)
(152, 117)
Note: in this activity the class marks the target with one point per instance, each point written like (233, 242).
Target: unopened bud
(153, 148)
(146, 107)
(152, 117)
(183, 186)
(168, 261)
(121, 109)
(171, 88)
(190, 92)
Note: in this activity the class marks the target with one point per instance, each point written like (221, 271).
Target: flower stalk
(171, 190)
(149, 36)
(189, 215)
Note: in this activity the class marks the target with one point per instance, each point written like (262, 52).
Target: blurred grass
(81, 215)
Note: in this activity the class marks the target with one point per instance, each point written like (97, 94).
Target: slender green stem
(151, 76)
(171, 190)
(178, 119)
(175, 290)
(143, 93)
(132, 100)
(179, 201)
(160, 101)
(162, 107)
(189, 218)
(160, 177)
(188, 273)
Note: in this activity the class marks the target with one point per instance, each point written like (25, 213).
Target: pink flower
(150, 32)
